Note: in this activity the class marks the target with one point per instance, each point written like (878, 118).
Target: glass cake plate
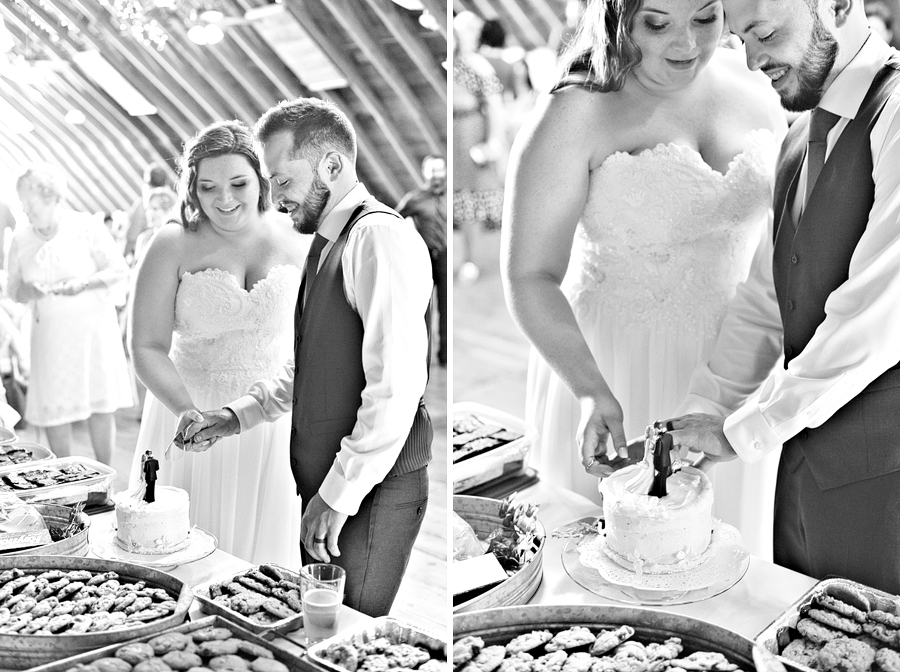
(721, 566)
(200, 544)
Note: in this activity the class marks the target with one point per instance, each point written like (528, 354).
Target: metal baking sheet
(498, 626)
(21, 652)
(783, 629)
(90, 491)
(293, 661)
(201, 592)
(396, 631)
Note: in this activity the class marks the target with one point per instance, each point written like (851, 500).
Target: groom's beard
(818, 62)
(312, 207)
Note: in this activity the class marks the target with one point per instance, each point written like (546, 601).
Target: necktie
(821, 121)
(312, 262)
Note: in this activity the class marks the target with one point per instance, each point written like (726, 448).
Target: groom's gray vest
(812, 259)
(329, 376)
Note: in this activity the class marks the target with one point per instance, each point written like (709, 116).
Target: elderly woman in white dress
(67, 266)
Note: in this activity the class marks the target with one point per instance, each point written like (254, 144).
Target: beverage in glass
(322, 591)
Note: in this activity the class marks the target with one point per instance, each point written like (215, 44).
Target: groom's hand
(704, 433)
(215, 424)
(320, 528)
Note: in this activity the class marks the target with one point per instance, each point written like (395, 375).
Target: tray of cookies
(210, 643)
(55, 606)
(385, 643)
(838, 624)
(264, 599)
(578, 637)
(63, 480)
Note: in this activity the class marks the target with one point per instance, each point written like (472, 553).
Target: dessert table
(220, 565)
(747, 608)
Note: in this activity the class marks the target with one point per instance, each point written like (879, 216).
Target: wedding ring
(316, 540)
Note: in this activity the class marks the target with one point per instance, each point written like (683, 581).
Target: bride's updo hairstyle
(218, 139)
(602, 53)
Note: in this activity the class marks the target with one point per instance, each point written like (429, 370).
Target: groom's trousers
(851, 531)
(376, 543)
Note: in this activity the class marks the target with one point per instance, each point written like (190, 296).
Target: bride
(638, 191)
(212, 311)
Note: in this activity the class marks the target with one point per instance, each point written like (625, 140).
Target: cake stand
(721, 566)
(200, 544)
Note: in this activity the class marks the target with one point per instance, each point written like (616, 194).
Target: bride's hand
(188, 425)
(601, 418)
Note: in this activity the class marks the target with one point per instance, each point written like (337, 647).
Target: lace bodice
(664, 234)
(227, 337)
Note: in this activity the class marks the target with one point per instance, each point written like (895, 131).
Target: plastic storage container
(503, 461)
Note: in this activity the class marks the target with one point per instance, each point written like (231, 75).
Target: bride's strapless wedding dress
(226, 338)
(662, 243)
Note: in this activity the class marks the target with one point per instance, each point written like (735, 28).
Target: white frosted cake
(657, 534)
(153, 528)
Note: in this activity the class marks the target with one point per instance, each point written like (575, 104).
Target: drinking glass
(321, 593)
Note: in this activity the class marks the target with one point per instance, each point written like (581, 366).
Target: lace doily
(720, 567)
(718, 562)
(200, 544)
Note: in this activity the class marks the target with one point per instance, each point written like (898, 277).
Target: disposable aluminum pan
(289, 659)
(395, 631)
(780, 632)
(290, 624)
(498, 626)
(57, 517)
(483, 514)
(20, 652)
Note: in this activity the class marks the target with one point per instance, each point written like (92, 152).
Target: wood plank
(380, 114)
(396, 21)
(349, 20)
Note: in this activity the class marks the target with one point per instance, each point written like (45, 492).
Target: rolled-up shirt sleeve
(266, 400)
(387, 281)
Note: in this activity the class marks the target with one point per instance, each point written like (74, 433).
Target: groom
(826, 287)
(361, 436)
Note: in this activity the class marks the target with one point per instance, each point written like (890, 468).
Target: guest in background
(478, 148)
(66, 264)
(507, 61)
(7, 221)
(563, 35)
(427, 207)
(159, 208)
(155, 176)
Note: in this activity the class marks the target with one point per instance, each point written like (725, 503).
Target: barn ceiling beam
(398, 24)
(350, 21)
(363, 90)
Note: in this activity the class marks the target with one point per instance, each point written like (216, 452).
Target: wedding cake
(657, 534)
(153, 528)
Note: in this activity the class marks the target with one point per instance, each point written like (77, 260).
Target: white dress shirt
(387, 281)
(860, 336)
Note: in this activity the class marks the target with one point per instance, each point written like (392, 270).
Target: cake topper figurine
(662, 464)
(149, 467)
